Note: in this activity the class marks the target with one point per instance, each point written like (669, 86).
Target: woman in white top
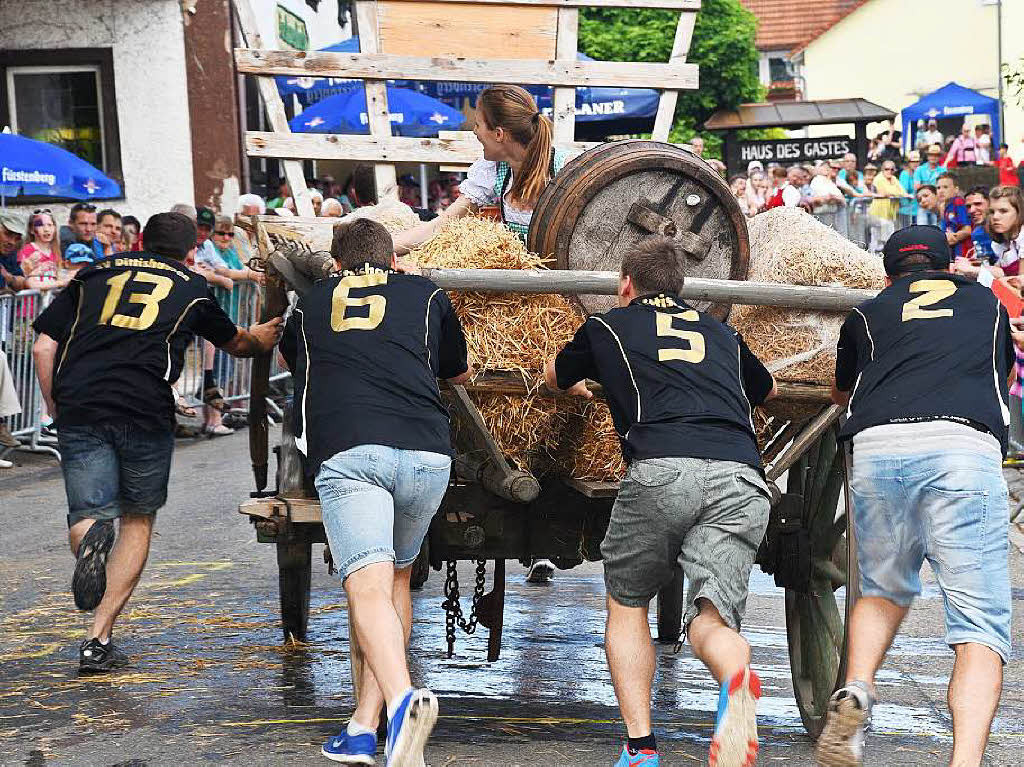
(519, 162)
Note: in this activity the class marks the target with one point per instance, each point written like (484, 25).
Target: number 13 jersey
(366, 350)
(123, 325)
(678, 381)
(932, 346)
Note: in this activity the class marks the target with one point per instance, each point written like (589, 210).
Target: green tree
(723, 47)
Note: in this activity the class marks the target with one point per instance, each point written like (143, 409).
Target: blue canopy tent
(600, 112)
(32, 168)
(950, 101)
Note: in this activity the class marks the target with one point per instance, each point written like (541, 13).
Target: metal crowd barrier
(231, 375)
(17, 313)
(867, 221)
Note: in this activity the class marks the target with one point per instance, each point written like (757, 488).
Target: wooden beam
(565, 98)
(681, 5)
(329, 146)
(376, 98)
(275, 111)
(669, 98)
(567, 72)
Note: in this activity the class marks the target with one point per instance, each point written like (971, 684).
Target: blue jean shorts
(952, 509)
(112, 469)
(377, 503)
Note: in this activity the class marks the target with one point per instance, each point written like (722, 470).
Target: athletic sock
(646, 743)
(208, 382)
(394, 704)
(354, 728)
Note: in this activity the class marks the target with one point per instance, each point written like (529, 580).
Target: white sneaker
(540, 571)
(219, 430)
(6, 464)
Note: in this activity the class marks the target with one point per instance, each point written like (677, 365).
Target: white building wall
(893, 52)
(147, 42)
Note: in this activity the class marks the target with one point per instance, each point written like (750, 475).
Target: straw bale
(787, 245)
(394, 215)
(513, 332)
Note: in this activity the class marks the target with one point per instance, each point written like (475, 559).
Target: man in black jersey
(923, 367)
(681, 386)
(107, 350)
(366, 347)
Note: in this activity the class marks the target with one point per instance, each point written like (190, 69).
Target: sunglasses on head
(41, 210)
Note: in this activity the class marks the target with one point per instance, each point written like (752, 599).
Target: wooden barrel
(612, 196)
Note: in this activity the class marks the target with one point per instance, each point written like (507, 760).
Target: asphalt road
(211, 681)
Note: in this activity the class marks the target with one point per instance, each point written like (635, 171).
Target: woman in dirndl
(519, 162)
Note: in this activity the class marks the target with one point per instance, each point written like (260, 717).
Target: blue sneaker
(409, 729)
(645, 758)
(351, 749)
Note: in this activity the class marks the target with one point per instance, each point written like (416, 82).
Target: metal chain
(452, 605)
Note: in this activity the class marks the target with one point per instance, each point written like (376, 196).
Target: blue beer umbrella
(412, 114)
(35, 168)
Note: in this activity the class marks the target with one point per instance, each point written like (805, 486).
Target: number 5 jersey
(123, 325)
(678, 381)
(932, 346)
(366, 349)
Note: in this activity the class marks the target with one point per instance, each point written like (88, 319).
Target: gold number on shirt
(150, 301)
(933, 292)
(696, 351)
(340, 302)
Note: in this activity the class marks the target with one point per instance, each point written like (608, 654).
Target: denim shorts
(948, 507)
(705, 516)
(112, 469)
(377, 503)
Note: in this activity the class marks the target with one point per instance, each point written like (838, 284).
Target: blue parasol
(412, 114)
(35, 168)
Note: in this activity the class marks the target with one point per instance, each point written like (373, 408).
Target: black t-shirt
(678, 381)
(932, 346)
(366, 350)
(123, 325)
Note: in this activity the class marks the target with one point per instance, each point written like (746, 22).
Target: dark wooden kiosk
(797, 114)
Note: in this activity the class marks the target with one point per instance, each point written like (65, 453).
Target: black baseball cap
(205, 217)
(917, 240)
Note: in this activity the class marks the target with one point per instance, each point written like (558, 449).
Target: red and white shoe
(734, 743)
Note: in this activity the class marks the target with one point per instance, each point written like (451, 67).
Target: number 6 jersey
(678, 381)
(123, 325)
(932, 346)
(366, 350)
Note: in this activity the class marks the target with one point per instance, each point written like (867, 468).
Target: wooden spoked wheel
(616, 194)
(816, 621)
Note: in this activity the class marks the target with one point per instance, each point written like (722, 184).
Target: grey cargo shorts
(705, 516)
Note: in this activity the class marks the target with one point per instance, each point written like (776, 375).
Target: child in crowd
(39, 258)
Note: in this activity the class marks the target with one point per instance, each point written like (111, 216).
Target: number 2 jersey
(123, 325)
(678, 382)
(932, 346)
(366, 350)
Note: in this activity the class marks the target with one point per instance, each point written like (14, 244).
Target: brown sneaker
(842, 741)
(6, 438)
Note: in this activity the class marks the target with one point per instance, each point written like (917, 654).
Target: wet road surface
(211, 681)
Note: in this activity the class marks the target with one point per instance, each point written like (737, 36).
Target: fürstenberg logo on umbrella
(28, 176)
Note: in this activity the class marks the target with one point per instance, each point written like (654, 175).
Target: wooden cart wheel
(614, 195)
(293, 573)
(670, 610)
(816, 621)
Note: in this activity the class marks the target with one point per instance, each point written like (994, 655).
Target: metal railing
(17, 313)
(868, 221)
